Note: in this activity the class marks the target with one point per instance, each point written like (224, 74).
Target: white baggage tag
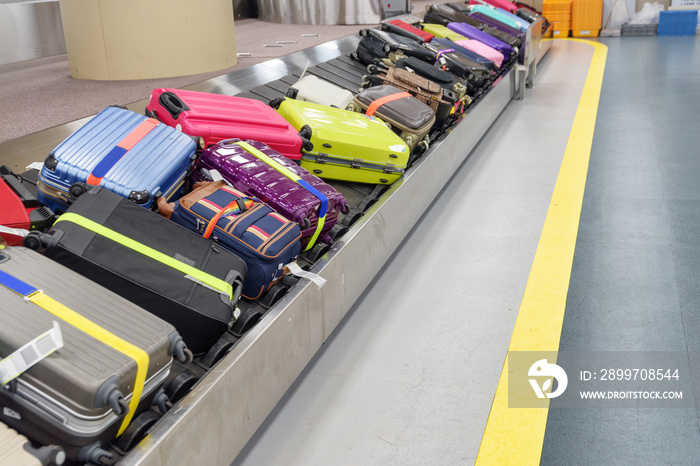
(14, 231)
(299, 272)
(31, 353)
(35, 166)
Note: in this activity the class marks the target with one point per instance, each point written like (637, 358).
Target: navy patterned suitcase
(264, 239)
(134, 156)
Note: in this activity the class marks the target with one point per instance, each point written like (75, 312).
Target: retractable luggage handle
(173, 104)
(323, 209)
(115, 399)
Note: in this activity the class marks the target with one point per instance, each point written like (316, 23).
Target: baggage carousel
(213, 422)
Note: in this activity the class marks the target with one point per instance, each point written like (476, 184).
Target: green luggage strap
(39, 298)
(296, 178)
(204, 278)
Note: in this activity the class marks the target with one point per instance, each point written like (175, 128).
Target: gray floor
(409, 376)
(636, 272)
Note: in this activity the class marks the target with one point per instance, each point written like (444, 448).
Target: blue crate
(678, 23)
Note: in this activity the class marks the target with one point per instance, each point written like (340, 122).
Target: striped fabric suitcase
(446, 80)
(482, 49)
(16, 450)
(259, 171)
(473, 33)
(134, 156)
(348, 146)
(215, 117)
(264, 239)
(114, 359)
(160, 266)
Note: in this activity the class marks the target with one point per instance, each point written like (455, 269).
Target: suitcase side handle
(173, 104)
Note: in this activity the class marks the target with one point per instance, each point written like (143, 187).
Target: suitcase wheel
(343, 208)
(78, 189)
(275, 103)
(363, 32)
(354, 56)
(180, 386)
(96, 454)
(33, 241)
(305, 132)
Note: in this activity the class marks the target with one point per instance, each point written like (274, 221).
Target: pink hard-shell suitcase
(290, 189)
(215, 117)
(483, 50)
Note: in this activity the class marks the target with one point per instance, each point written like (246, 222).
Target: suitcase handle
(173, 104)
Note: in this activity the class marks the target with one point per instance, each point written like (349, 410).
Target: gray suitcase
(16, 450)
(82, 394)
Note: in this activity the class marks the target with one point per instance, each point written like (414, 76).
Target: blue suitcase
(264, 239)
(129, 154)
(466, 52)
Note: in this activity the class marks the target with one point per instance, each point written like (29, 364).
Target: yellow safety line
(516, 435)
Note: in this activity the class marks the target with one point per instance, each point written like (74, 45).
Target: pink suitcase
(504, 4)
(252, 168)
(483, 50)
(215, 117)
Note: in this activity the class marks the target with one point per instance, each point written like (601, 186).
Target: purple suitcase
(470, 32)
(249, 174)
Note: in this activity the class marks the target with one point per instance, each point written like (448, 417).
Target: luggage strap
(216, 283)
(118, 151)
(297, 179)
(384, 100)
(237, 205)
(37, 297)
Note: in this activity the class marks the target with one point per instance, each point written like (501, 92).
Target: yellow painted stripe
(106, 337)
(516, 435)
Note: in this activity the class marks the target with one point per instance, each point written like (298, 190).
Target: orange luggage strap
(386, 99)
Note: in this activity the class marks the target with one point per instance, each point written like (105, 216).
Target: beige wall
(141, 39)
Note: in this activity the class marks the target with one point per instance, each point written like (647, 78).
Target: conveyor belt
(214, 421)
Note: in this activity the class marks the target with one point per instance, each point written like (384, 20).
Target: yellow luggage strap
(209, 280)
(36, 296)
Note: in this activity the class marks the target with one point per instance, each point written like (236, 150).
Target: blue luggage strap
(296, 178)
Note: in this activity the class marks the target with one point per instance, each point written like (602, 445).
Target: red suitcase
(404, 29)
(19, 207)
(215, 117)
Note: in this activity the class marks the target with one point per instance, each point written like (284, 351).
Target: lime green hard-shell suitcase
(348, 146)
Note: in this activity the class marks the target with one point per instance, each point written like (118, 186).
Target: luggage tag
(31, 353)
(294, 269)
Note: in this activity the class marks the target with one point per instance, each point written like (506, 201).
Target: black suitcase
(462, 66)
(376, 44)
(166, 269)
(444, 13)
(113, 362)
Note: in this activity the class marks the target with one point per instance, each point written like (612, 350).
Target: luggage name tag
(31, 353)
(294, 269)
(323, 209)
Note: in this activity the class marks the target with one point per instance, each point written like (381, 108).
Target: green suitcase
(348, 146)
